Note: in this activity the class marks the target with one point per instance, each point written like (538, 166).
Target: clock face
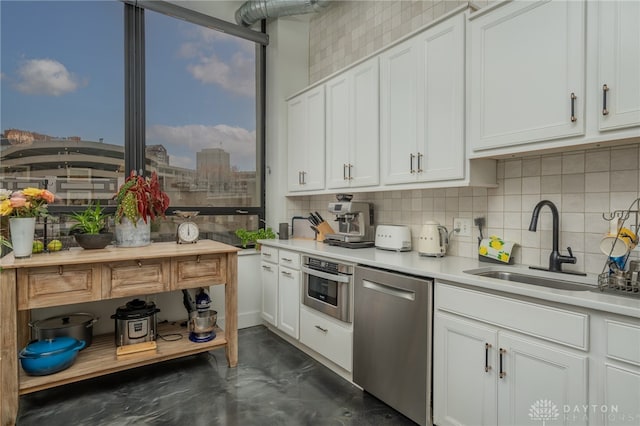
(188, 232)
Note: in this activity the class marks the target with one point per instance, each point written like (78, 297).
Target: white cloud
(183, 142)
(46, 77)
(237, 75)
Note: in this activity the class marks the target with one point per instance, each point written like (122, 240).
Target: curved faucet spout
(555, 258)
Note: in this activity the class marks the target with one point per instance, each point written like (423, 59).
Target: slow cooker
(136, 322)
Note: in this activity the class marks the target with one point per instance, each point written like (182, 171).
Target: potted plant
(90, 229)
(23, 207)
(247, 237)
(139, 201)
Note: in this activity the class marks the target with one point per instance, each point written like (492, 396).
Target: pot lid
(136, 308)
(51, 346)
(64, 321)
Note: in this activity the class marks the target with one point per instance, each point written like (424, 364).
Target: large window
(90, 93)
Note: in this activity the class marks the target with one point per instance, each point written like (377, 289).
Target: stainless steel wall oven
(328, 286)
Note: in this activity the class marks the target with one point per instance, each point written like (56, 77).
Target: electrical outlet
(463, 226)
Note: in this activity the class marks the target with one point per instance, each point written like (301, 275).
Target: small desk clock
(188, 231)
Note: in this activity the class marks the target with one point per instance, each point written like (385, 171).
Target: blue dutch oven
(50, 356)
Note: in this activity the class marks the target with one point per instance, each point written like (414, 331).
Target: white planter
(128, 235)
(22, 232)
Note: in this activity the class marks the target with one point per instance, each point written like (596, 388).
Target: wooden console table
(78, 276)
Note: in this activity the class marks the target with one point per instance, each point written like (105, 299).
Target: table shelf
(100, 358)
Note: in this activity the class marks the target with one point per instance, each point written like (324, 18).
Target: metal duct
(253, 11)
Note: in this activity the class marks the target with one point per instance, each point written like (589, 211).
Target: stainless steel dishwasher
(392, 340)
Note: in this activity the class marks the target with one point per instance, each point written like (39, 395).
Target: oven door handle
(320, 274)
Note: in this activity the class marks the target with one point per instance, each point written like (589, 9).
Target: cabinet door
(464, 372)
(526, 60)
(619, 63)
(622, 391)
(441, 110)
(289, 301)
(270, 292)
(398, 113)
(365, 119)
(539, 380)
(338, 131)
(305, 139)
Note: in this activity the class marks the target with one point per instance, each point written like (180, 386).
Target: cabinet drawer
(135, 277)
(58, 285)
(289, 259)
(269, 254)
(556, 325)
(197, 271)
(327, 338)
(623, 341)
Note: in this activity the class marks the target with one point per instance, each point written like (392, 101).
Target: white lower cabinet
(269, 278)
(325, 336)
(289, 301)
(281, 289)
(486, 373)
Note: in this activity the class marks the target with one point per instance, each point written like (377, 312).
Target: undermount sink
(531, 279)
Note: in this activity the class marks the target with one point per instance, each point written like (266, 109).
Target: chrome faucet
(555, 258)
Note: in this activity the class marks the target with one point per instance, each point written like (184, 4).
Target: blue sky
(62, 75)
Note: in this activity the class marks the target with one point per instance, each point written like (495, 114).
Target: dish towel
(496, 248)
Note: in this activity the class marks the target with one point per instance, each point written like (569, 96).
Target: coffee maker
(355, 222)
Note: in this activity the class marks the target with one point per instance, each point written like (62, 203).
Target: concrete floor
(274, 384)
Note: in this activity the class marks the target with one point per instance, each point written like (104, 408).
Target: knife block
(323, 229)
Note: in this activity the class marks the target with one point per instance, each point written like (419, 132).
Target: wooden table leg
(8, 348)
(231, 309)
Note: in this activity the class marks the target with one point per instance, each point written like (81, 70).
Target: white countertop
(451, 268)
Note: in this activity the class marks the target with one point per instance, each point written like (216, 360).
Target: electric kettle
(434, 239)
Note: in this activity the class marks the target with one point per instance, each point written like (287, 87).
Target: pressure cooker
(136, 322)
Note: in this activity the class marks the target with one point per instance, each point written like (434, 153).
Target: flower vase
(130, 235)
(22, 232)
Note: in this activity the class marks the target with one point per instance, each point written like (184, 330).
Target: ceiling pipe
(253, 11)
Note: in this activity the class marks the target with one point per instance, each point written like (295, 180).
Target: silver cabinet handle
(266, 254)
(350, 166)
(299, 178)
(303, 177)
(286, 273)
(324, 330)
(420, 162)
(411, 157)
(268, 268)
(286, 259)
(605, 89)
(573, 107)
(344, 172)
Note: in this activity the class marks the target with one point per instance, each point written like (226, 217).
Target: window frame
(135, 116)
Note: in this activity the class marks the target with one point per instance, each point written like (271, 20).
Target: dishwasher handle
(390, 290)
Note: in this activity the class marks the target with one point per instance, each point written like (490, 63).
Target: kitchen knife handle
(605, 89)
(573, 108)
(502, 372)
(420, 162)
(487, 367)
(411, 157)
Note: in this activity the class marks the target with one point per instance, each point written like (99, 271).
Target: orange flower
(48, 196)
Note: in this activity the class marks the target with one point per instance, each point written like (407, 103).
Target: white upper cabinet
(618, 64)
(527, 74)
(352, 127)
(306, 143)
(422, 106)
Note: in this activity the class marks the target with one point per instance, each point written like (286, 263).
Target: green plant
(91, 220)
(247, 237)
(139, 197)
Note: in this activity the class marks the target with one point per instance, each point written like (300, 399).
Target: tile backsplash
(350, 30)
(582, 184)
